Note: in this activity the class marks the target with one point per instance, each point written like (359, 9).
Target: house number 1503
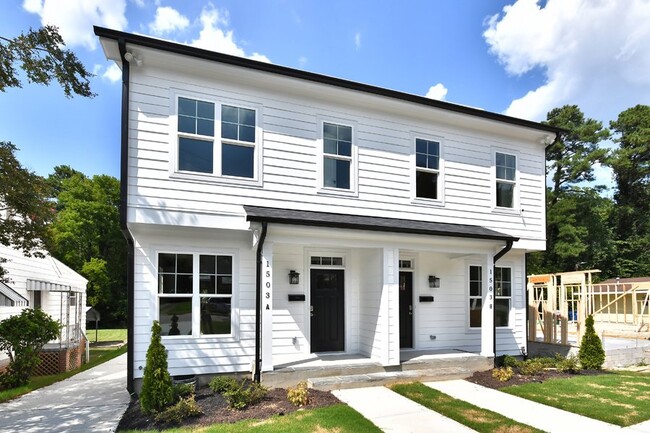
(267, 295)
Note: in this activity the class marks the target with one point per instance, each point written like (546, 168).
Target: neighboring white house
(48, 284)
(392, 208)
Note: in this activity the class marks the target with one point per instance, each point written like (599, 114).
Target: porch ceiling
(359, 222)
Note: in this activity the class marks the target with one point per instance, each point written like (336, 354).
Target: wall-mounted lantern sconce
(294, 277)
(434, 282)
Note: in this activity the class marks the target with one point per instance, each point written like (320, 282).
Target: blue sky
(518, 57)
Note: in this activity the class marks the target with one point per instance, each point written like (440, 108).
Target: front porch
(339, 371)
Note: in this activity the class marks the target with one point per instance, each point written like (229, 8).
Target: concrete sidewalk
(91, 401)
(534, 414)
(393, 413)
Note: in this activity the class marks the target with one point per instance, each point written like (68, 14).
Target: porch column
(487, 312)
(267, 307)
(389, 309)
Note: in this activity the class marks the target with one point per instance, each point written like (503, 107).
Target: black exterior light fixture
(434, 282)
(294, 277)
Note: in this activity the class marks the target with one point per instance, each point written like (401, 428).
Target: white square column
(389, 307)
(267, 307)
(487, 312)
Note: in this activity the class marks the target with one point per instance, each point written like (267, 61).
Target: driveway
(92, 401)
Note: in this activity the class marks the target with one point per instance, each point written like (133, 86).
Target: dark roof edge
(187, 50)
(376, 228)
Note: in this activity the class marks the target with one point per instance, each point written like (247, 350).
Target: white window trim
(469, 297)
(354, 159)
(216, 176)
(511, 297)
(440, 201)
(515, 209)
(196, 296)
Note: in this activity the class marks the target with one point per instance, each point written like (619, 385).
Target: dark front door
(327, 323)
(406, 309)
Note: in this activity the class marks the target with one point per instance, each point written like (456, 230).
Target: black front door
(406, 309)
(327, 309)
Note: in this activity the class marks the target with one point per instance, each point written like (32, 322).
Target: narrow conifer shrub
(157, 391)
(591, 353)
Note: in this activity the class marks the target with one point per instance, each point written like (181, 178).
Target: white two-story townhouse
(276, 215)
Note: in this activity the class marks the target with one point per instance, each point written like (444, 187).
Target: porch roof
(360, 222)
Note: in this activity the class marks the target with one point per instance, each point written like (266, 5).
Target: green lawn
(621, 398)
(106, 335)
(338, 418)
(479, 419)
(37, 382)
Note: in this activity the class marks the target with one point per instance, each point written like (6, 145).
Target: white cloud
(357, 40)
(168, 20)
(593, 53)
(113, 73)
(215, 36)
(139, 3)
(75, 18)
(439, 91)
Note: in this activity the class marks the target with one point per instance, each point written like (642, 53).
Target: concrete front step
(331, 383)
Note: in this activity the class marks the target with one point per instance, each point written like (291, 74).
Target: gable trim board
(482, 121)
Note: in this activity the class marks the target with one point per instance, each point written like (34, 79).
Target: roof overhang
(360, 222)
(16, 298)
(111, 52)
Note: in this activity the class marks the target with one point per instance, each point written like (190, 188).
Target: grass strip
(479, 419)
(339, 418)
(37, 382)
(620, 398)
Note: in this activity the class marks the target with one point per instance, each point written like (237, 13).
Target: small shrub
(502, 374)
(531, 367)
(591, 353)
(566, 365)
(299, 394)
(246, 394)
(547, 362)
(182, 390)
(185, 408)
(510, 361)
(221, 384)
(157, 392)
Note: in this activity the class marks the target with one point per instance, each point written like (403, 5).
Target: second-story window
(199, 122)
(195, 135)
(337, 156)
(506, 179)
(427, 168)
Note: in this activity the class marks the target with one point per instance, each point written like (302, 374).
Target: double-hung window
(337, 156)
(475, 296)
(506, 179)
(188, 281)
(200, 122)
(503, 295)
(427, 168)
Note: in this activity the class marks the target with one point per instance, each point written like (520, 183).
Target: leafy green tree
(86, 236)
(576, 215)
(631, 166)
(40, 54)
(23, 336)
(591, 353)
(157, 390)
(24, 207)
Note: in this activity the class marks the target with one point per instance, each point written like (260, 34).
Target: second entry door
(327, 310)
(405, 310)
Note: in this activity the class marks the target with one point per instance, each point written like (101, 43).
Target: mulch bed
(485, 378)
(215, 410)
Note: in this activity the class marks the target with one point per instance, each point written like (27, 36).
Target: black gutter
(214, 56)
(257, 371)
(497, 256)
(124, 185)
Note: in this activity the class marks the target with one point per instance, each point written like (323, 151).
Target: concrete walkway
(534, 414)
(396, 414)
(91, 401)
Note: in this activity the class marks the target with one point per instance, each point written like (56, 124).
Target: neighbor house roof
(186, 50)
(359, 222)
